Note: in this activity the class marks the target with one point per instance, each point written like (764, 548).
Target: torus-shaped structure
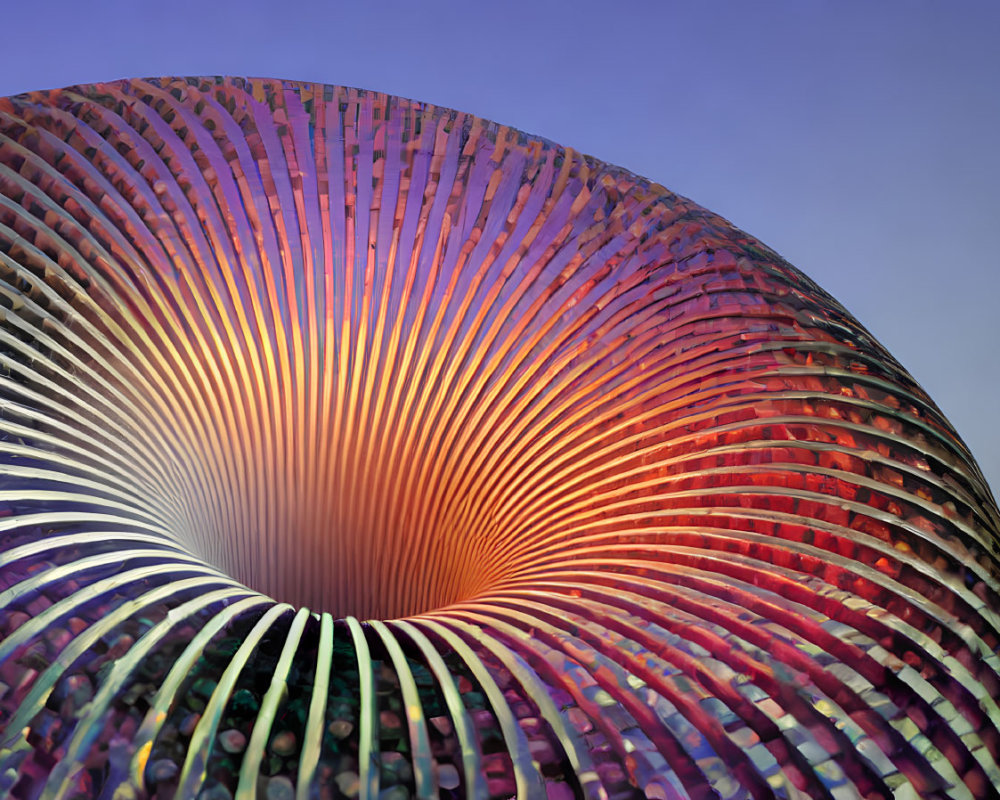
(353, 447)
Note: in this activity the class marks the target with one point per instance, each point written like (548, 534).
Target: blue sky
(858, 138)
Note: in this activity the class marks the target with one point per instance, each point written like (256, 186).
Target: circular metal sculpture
(354, 447)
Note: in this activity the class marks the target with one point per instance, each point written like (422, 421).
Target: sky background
(858, 138)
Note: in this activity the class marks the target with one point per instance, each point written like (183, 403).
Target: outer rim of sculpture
(700, 531)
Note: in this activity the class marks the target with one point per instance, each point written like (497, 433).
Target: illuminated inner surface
(354, 447)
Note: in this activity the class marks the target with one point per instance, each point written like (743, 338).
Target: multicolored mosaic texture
(562, 486)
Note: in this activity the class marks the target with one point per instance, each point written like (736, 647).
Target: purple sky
(859, 139)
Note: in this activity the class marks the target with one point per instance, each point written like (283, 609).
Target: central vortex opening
(347, 527)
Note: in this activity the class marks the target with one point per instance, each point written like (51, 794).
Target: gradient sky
(858, 138)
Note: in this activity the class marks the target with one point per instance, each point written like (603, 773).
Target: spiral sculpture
(356, 447)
